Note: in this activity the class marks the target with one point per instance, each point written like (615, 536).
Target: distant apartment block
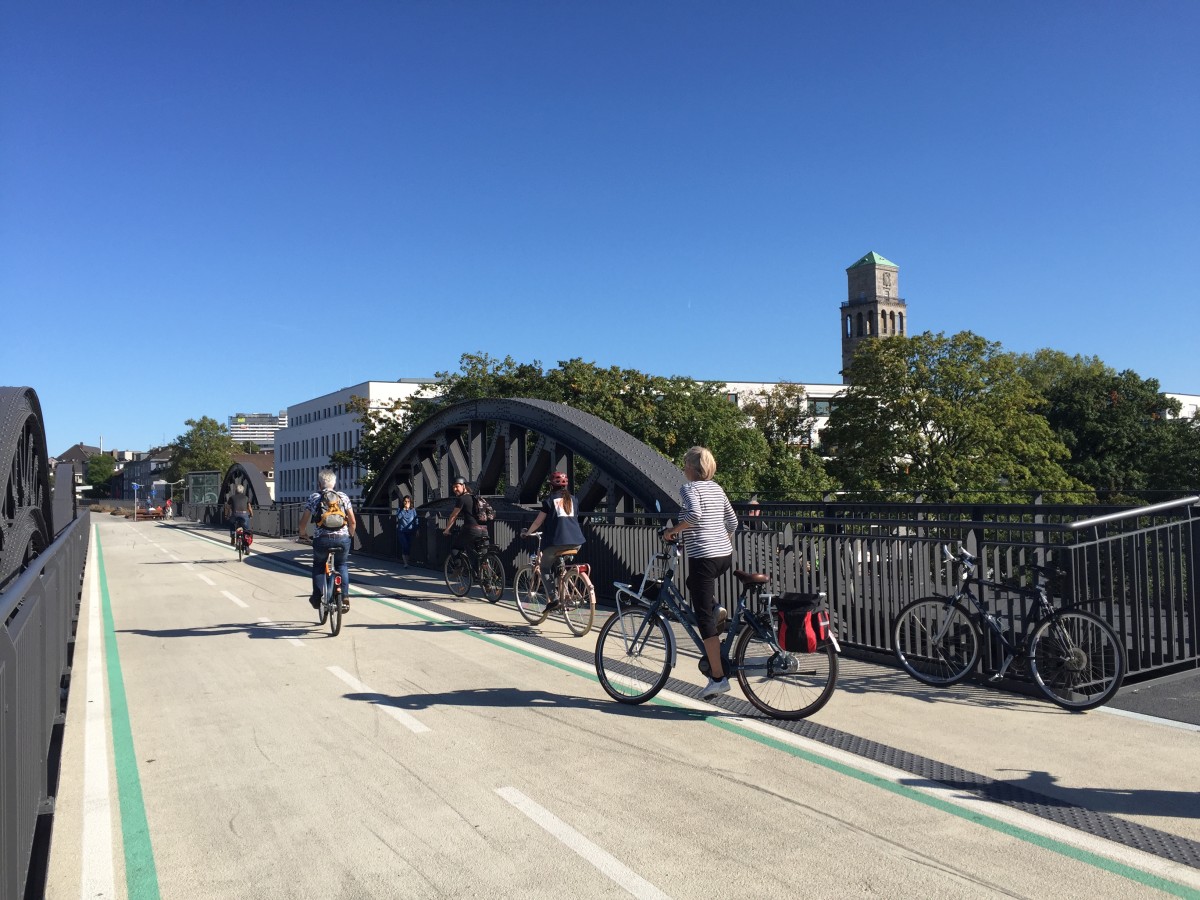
(320, 427)
(258, 428)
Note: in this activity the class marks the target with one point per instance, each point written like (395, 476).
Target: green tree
(793, 470)
(100, 468)
(669, 414)
(942, 416)
(1123, 433)
(205, 446)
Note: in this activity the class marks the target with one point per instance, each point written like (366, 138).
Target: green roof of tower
(872, 259)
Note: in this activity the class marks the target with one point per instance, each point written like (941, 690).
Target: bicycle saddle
(749, 578)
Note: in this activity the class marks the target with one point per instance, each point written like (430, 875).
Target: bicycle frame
(670, 597)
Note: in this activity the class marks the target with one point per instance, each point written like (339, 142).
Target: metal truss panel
(26, 505)
(252, 479)
(629, 469)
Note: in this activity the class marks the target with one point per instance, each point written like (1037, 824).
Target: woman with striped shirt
(709, 522)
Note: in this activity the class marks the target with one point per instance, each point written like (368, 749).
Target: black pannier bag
(802, 623)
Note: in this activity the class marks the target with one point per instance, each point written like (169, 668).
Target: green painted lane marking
(141, 876)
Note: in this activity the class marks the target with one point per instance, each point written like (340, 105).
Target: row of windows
(862, 326)
(304, 480)
(324, 445)
(319, 414)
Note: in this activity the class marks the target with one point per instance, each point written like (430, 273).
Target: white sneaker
(713, 688)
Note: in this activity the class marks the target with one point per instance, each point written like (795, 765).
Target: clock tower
(873, 307)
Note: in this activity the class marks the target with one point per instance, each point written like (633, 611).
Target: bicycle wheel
(633, 655)
(241, 547)
(491, 577)
(458, 573)
(784, 685)
(935, 641)
(322, 612)
(531, 595)
(1076, 659)
(335, 614)
(577, 606)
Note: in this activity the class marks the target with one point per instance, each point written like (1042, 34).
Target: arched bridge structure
(249, 477)
(26, 506)
(510, 446)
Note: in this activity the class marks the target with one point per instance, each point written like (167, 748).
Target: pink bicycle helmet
(558, 480)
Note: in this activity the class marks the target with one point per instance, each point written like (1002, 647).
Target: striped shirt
(710, 519)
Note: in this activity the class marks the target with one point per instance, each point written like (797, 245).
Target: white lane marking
(408, 721)
(96, 858)
(1142, 717)
(266, 621)
(206, 579)
(608, 864)
(236, 600)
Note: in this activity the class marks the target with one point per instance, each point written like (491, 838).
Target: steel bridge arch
(26, 506)
(252, 479)
(511, 445)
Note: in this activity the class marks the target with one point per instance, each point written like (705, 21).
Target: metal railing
(39, 611)
(1134, 567)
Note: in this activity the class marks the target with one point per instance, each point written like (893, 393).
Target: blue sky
(219, 207)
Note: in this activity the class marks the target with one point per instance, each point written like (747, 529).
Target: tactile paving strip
(1111, 828)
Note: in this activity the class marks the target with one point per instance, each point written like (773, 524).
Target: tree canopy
(100, 468)
(1122, 432)
(940, 415)
(205, 446)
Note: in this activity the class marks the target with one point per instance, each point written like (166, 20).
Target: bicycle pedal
(996, 676)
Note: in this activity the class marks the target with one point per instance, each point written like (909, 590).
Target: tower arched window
(883, 323)
(859, 321)
(902, 323)
(893, 322)
(849, 327)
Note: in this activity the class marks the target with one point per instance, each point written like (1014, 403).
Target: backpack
(331, 516)
(484, 512)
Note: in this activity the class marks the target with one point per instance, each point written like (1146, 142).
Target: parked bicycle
(567, 587)
(481, 566)
(784, 653)
(1074, 657)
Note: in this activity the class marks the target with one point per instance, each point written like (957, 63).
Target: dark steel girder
(26, 506)
(512, 445)
(252, 479)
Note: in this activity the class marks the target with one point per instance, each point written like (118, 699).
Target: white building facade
(259, 428)
(320, 427)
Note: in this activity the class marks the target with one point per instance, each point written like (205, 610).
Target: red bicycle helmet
(558, 480)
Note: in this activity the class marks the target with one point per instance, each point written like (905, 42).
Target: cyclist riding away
(239, 510)
(563, 534)
(333, 517)
(708, 520)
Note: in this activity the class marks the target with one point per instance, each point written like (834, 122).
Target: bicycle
(461, 571)
(332, 602)
(636, 647)
(1074, 657)
(570, 584)
(241, 542)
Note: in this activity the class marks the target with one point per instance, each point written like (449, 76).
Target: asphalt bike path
(219, 743)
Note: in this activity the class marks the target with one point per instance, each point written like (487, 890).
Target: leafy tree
(100, 468)
(669, 414)
(205, 446)
(1123, 433)
(942, 416)
(248, 447)
(793, 468)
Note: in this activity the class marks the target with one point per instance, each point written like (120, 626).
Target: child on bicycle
(564, 534)
(708, 519)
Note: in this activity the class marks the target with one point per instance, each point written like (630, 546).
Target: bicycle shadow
(518, 698)
(482, 628)
(252, 630)
(862, 677)
(1042, 789)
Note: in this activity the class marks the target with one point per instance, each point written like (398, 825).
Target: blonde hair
(702, 462)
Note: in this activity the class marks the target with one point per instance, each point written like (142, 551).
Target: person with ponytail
(561, 515)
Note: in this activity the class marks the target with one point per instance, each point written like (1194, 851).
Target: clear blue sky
(219, 207)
